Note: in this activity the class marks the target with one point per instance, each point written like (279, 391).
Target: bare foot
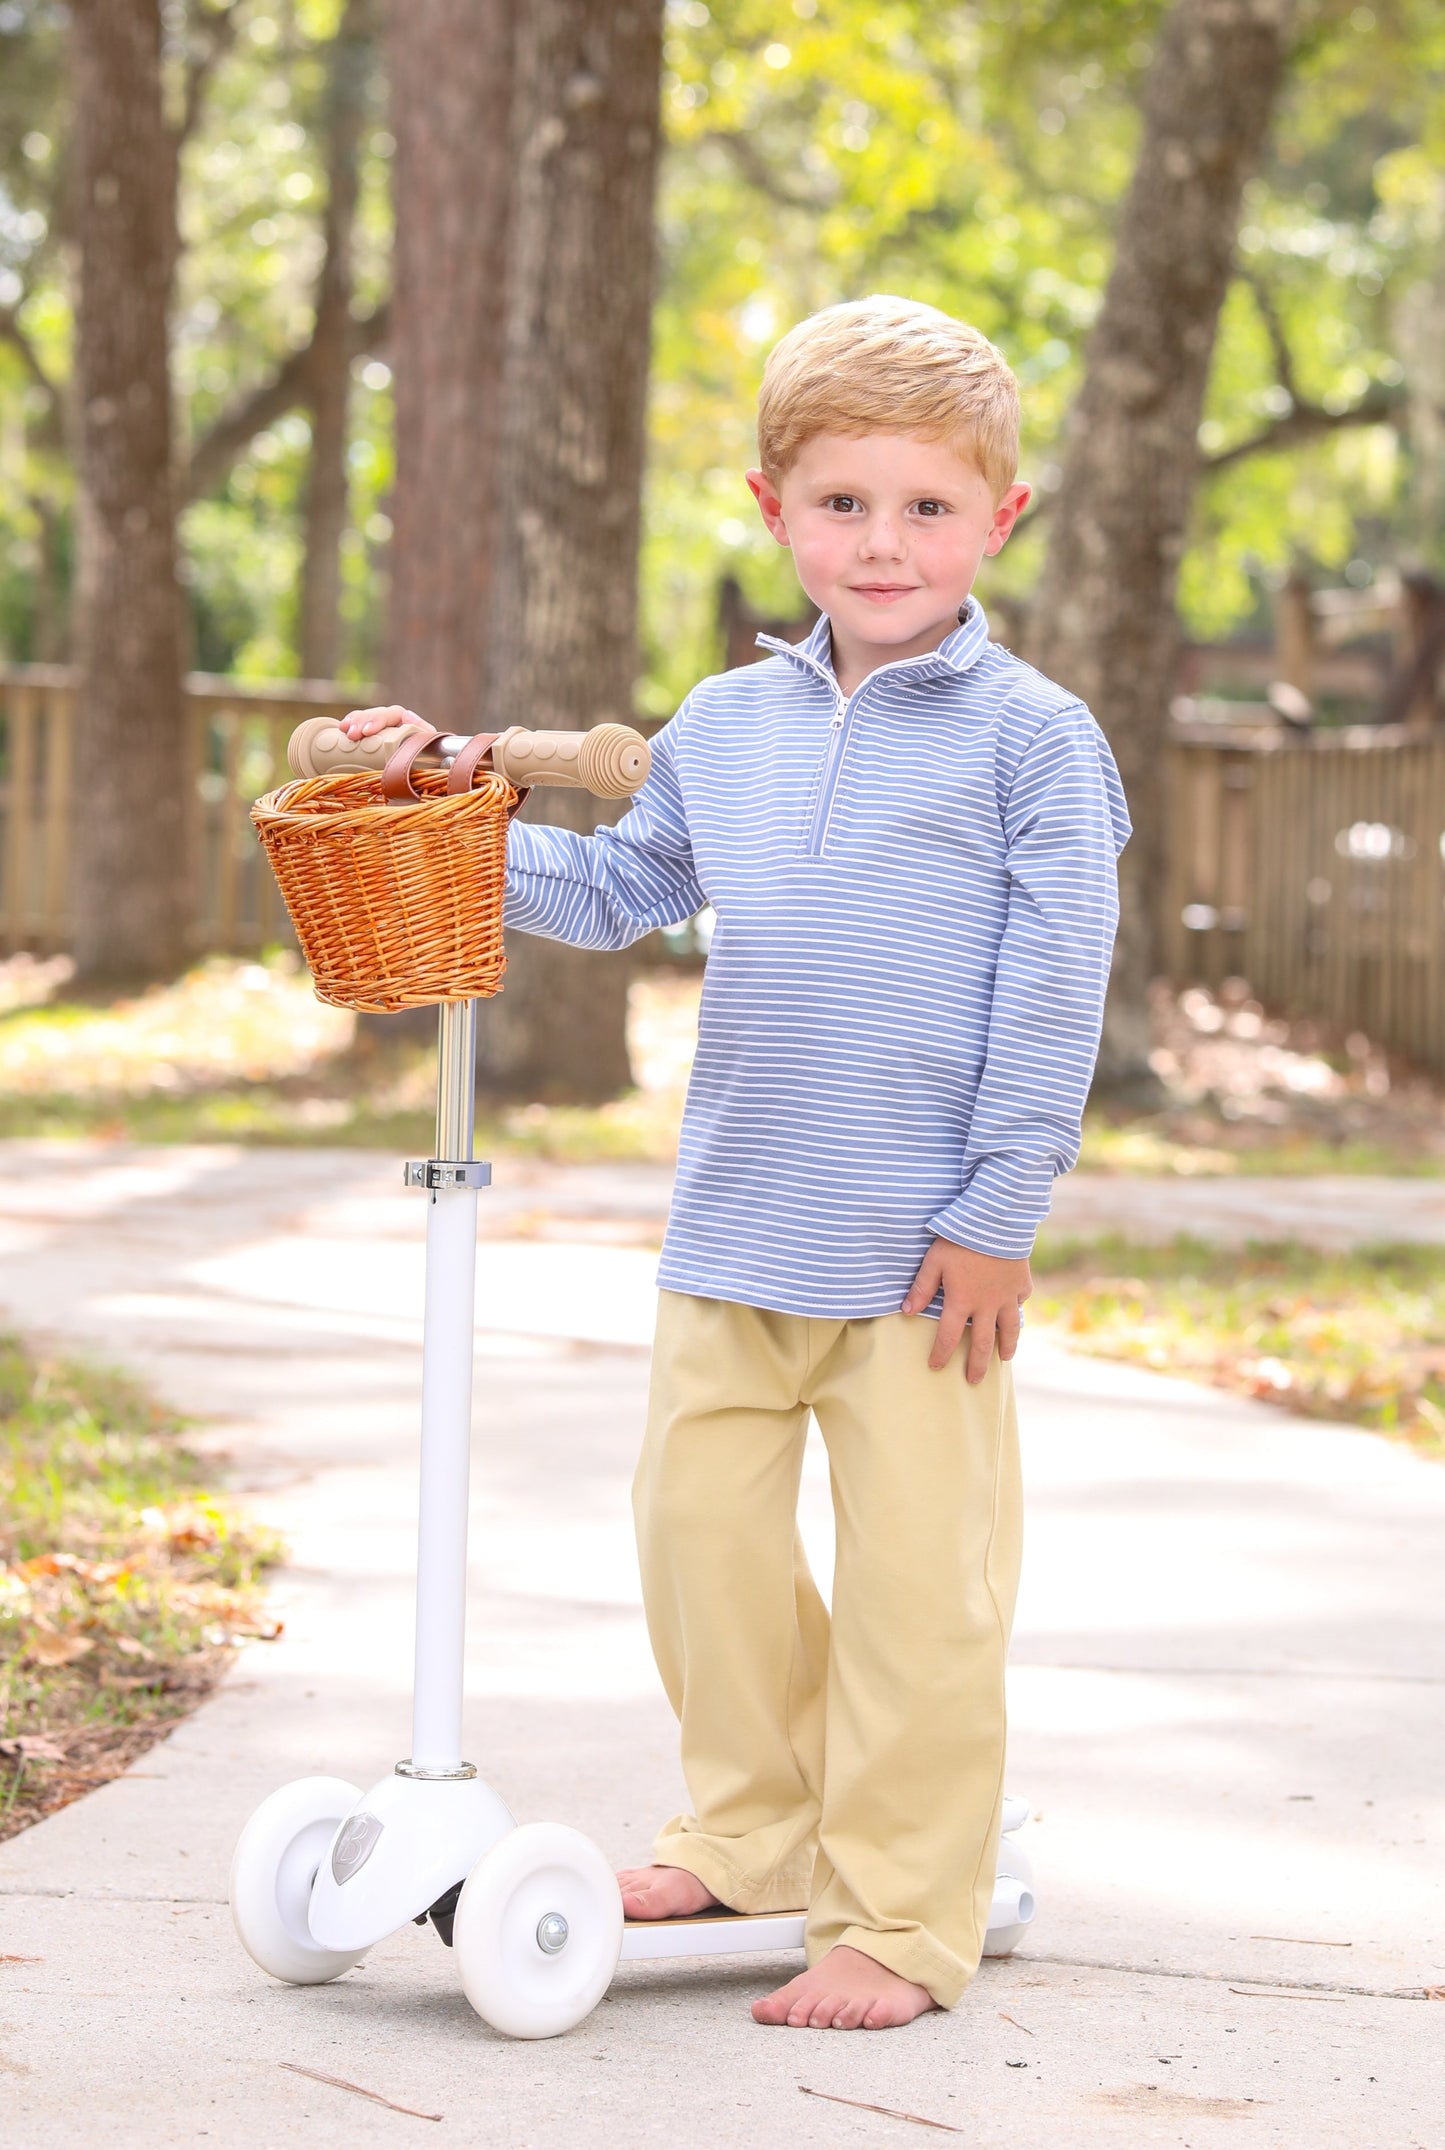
(662, 1892)
(845, 1991)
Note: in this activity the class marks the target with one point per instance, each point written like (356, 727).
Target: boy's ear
(1010, 507)
(761, 486)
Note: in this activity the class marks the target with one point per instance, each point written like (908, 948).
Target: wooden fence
(234, 747)
(1314, 867)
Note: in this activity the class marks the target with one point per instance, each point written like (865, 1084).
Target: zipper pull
(840, 711)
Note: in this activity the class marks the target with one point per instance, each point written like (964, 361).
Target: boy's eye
(931, 507)
(843, 503)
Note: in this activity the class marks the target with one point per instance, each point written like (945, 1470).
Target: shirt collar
(958, 651)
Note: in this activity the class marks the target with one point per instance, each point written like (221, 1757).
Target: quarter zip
(845, 709)
(828, 782)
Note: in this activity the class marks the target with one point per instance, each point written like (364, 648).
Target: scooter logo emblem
(354, 1846)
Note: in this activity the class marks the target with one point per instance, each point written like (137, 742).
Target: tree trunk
(450, 66)
(564, 613)
(325, 507)
(1103, 616)
(130, 878)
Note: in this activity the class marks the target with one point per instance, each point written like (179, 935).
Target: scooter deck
(711, 1933)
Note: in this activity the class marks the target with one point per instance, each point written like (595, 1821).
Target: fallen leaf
(889, 2112)
(22, 1959)
(1435, 1993)
(193, 1533)
(89, 1571)
(129, 1647)
(30, 1747)
(339, 2082)
(46, 1647)
(261, 1627)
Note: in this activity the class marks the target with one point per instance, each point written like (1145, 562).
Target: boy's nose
(882, 540)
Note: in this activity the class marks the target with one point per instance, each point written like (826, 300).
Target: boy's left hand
(981, 1292)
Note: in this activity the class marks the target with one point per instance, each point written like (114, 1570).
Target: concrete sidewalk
(1227, 1679)
(1333, 1210)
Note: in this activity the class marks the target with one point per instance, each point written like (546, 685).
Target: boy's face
(887, 532)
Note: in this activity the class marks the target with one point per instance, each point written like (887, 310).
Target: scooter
(324, 1871)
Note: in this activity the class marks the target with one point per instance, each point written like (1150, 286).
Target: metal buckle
(444, 1172)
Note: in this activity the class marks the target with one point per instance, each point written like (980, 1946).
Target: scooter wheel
(1014, 1864)
(275, 1862)
(538, 1931)
(1015, 1812)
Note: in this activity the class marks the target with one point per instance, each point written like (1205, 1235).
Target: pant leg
(927, 1498)
(738, 1628)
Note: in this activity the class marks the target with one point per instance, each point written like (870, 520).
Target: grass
(242, 1051)
(124, 1583)
(1356, 1336)
(1136, 1147)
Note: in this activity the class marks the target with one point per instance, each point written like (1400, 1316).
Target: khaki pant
(852, 1767)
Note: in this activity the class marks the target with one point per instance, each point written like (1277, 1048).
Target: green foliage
(974, 157)
(121, 1579)
(821, 152)
(972, 154)
(253, 195)
(1355, 1336)
(35, 485)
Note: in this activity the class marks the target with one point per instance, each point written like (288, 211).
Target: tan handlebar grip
(319, 747)
(610, 761)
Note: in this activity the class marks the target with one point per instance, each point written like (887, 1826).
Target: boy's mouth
(883, 589)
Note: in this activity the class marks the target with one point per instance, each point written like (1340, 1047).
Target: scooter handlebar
(611, 760)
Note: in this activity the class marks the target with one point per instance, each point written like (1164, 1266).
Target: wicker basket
(396, 904)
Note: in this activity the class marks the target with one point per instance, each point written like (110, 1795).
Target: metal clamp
(442, 1172)
(456, 1774)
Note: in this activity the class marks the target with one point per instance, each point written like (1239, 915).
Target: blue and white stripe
(916, 899)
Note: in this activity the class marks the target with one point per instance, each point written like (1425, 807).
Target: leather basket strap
(464, 768)
(396, 783)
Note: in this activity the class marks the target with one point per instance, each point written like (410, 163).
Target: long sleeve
(607, 889)
(1065, 823)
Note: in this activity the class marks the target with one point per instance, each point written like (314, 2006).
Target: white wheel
(538, 1931)
(1014, 1864)
(274, 1865)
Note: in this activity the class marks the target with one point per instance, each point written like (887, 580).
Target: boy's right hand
(983, 1293)
(361, 723)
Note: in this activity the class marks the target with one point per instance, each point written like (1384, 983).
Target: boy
(909, 840)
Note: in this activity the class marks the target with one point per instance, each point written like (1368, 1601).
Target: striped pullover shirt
(915, 897)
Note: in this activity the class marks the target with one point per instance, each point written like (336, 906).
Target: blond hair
(887, 365)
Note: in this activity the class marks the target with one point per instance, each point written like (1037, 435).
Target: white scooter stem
(446, 1411)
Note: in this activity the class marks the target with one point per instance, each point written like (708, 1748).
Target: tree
(35, 480)
(1103, 616)
(130, 890)
(562, 645)
(319, 634)
(451, 71)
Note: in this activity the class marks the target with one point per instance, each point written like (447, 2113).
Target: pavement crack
(19, 1891)
(1363, 1675)
(1224, 1978)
